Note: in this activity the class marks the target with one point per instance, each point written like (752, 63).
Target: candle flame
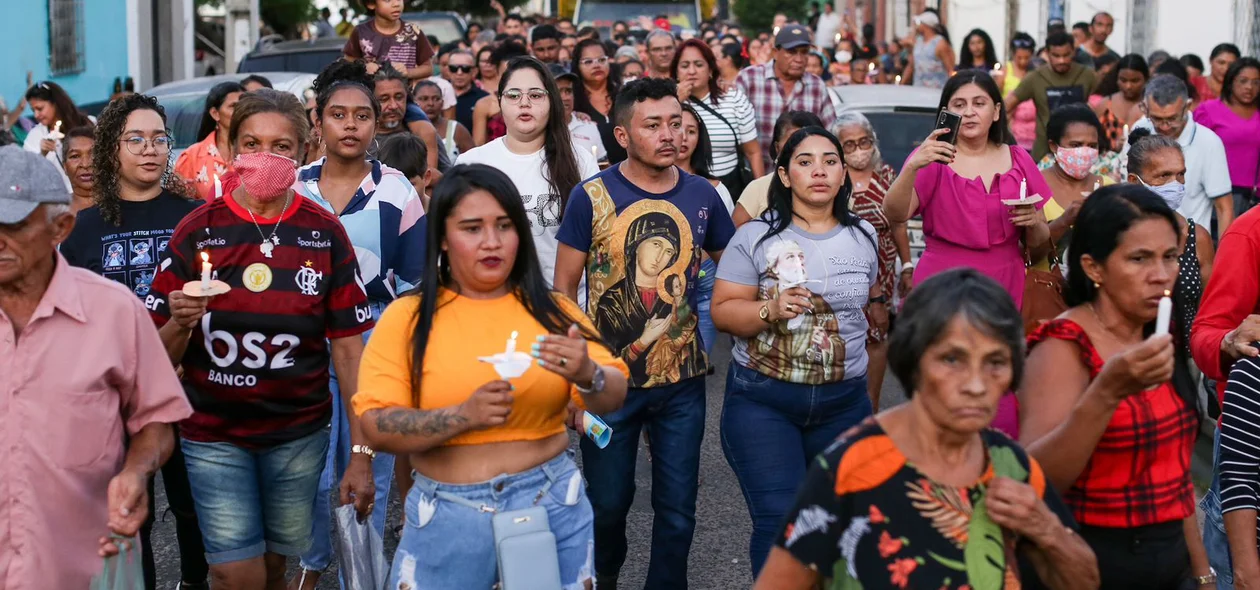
(871, 68)
(997, 67)
(514, 334)
(205, 257)
(1167, 293)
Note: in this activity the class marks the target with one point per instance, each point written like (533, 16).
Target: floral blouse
(867, 518)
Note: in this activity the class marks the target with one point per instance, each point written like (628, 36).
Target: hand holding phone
(950, 121)
(933, 149)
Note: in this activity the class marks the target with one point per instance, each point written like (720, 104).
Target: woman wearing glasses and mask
(124, 238)
(537, 152)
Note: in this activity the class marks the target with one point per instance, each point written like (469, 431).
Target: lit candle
(898, 79)
(1096, 185)
(1023, 189)
(595, 152)
(1125, 134)
(218, 187)
(56, 134)
(511, 343)
(1165, 315)
(838, 37)
(871, 68)
(205, 272)
(776, 31)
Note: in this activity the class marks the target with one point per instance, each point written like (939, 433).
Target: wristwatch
(597, 382)
(907, 266)
(363, 450)
(1206, 580)
(764, 314)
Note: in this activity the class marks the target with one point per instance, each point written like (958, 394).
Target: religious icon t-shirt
(837, 267)
(643, 260)
(127, 253)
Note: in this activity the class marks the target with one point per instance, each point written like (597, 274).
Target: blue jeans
(1214, 539)
(448, 541)
(251, 501)
(319, 555)
(674, 415)
(704, 297)
(771, 430)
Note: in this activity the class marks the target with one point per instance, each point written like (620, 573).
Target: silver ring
(564, 361)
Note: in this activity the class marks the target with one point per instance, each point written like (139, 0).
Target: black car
(293, 56)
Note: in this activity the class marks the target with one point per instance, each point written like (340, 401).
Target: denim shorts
(254, 501)
(448, 544)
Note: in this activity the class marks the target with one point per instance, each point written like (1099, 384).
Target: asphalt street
(719, 554)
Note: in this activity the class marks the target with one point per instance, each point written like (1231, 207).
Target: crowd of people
(305, 308)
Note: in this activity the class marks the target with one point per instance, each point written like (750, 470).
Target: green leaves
(840, 578)
(985, 554)
(1006, 464)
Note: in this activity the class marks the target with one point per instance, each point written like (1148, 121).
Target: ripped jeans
(447, 544)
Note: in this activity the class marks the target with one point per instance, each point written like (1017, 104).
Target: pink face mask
(266, 176)
(1077, 162)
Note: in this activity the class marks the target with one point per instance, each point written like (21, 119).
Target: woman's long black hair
(701, 159)
(582, 102)
(69, 114)
(965, 60)
(525, 280)
(562, 171)
(1104, 218)
(1227, 86)
(214, 100)
(1110, 84)
(779, 214)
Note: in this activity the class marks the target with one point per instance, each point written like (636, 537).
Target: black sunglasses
(459, 69)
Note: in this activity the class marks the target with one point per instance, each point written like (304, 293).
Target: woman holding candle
(480, 444)
(55, 114)
(383, 217)
(959, 190)
(1118, 98)
(728, 116)
(593, 95)
(256, 359)
(124, 238)
(204, 163)
(537, 152)
(1076, 141)
(1108, 409)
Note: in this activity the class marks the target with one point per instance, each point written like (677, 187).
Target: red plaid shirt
(1139, 473)
(765, 91)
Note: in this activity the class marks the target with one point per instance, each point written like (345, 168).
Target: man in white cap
(82, 433)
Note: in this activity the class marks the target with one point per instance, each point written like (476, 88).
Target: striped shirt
(1240, 438)
(733, 125)
(386, 224)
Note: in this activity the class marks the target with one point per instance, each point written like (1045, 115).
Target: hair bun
(342, 70)
(1138, 133)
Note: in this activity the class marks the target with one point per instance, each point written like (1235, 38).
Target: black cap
(792, 36)
(558, 71)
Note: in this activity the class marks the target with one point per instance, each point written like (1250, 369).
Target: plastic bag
(122, 571)
(362, 553)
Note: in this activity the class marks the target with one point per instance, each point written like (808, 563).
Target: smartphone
(951, 121)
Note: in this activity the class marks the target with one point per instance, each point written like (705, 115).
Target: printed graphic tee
(643, 260)
(542, 204)
(838, 268)
(256, 368)
(128, 253)
(408, 46)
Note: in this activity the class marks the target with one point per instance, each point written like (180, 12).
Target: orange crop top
(464, 329)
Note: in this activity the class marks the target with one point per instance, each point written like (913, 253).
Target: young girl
(386, 39)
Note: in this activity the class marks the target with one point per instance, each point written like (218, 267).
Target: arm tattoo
(411, 422)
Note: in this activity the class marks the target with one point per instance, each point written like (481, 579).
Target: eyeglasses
(1022, 44)
(459, 69)
(137, 145)
(1167, 122)
(590, 61)
(535, 95)
(850, 146)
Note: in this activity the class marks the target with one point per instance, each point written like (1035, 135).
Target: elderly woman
(871, 177)
(925, 495)
(1108, 408)
(727, 115)
(794, 289)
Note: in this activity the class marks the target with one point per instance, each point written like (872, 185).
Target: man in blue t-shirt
(637, 230)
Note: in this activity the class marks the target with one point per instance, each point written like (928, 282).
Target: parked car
(185, 99)
(446, 26)
(293, 56)
(902, 116)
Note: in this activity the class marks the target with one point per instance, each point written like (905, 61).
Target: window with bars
(65, 36)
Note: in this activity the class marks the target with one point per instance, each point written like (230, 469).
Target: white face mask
(1172, 192)
(844, 56)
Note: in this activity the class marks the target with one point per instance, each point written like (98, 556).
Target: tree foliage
(283, 16)
(758, 15)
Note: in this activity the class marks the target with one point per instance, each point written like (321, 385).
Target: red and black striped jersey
(256, 367)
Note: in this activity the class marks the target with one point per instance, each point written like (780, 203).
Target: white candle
(1124, 137)
(898, 79)
(1023, 189)
(56, 134)
(1096, 185)
(205, 272)
(871, 68)
(595, 152)
(511, 343)
(218, 187)
(1165, 315)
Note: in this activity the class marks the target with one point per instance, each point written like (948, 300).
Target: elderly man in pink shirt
(87, 393)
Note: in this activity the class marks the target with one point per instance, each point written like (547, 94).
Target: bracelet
(363, 450)
(1208, 579)
(907, 266)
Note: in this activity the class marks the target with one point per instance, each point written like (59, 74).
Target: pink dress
(965, 225)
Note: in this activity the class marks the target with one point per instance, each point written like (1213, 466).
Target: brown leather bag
(1043, 291)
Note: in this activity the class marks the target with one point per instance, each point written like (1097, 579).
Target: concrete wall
(989, 15)
(24, 47)
(1194, 26)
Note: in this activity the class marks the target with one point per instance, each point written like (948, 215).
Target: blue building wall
(24, 47)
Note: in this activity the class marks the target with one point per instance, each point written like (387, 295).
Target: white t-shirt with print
(542, 205)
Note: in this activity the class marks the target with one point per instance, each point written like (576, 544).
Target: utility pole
(240, 31)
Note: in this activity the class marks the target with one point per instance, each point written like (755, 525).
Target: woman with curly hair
(124, 238)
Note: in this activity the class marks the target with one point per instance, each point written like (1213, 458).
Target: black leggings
(1152, 557)
(192, 554)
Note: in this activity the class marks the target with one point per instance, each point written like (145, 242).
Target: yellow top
(464, 329)
(1053, 210)
(756, 196)
(1010, 82)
